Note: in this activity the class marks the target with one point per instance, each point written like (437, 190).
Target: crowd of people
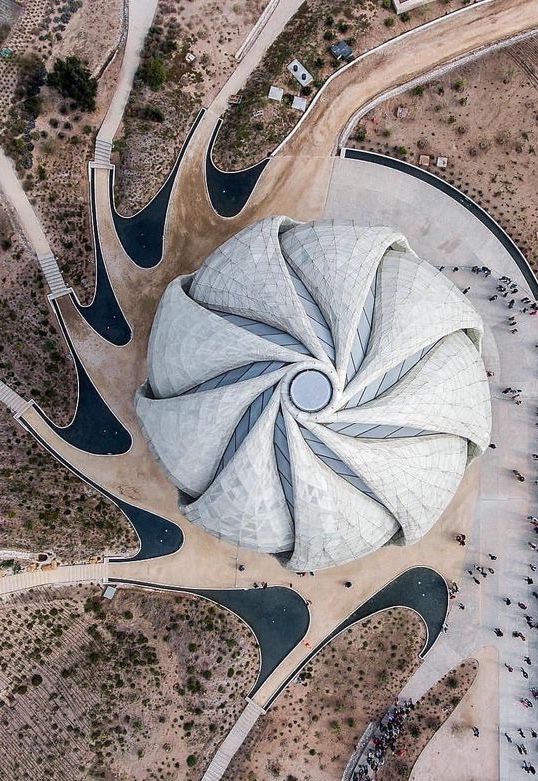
(506, 291)
(383, 737)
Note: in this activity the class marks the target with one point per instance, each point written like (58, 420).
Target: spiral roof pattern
(315, 390)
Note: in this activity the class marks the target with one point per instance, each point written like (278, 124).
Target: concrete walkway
(15, 195)
(141, 13)
(73, 573)
(232, 742)
(279, 17)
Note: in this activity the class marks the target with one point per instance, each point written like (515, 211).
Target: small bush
(192, 759)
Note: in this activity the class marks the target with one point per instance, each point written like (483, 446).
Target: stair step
(15, 403)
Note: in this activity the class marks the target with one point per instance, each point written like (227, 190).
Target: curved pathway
(229, 190)
(103, 313)
(142, 235)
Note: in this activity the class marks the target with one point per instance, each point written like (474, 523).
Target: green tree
(153, 73)
(73, 80)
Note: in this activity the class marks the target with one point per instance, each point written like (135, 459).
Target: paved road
(402, 59)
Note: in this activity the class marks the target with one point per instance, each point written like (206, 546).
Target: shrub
(73, 80)
(360, 135)
(153, 73)
(389, 21)
(36, 679)
(192, 759)
(418, 90)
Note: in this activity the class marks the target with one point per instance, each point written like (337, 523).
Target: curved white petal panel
(446, 392)
(245, 504)
(189, 344)
(247, 276)
(415, 307)
(334, 522)
(189, 433)
(415, 478)
(338, 260)
(316, 390)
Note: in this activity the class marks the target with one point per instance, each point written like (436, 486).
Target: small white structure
(190, 57)
(109, 592)
(441, 162)
(299, 103)
(301, 74)
(424, 160)
(275, 93)
(407, 5)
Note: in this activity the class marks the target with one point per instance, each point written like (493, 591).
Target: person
(476, 732)
(507, 736)
(524, 673)
(532, 545)
(520, 731)
(507, 601)
(348, 584)
(498, 632)
(461, 606)
(527, 659)
(492, 556)
(510, 669)
(522, 605)
(528, 580)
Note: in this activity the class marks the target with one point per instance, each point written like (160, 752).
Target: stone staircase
(103, 148)
(52, 274)
(233, 741)
(73, 573)
(15, 403)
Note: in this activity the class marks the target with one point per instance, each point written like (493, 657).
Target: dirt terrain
(254, 127)
(140, 688)
(483, 118)
(311, 731)
(42, 505)
(159, 113)
(52, 151)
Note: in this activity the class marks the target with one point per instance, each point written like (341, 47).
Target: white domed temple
(315, 390)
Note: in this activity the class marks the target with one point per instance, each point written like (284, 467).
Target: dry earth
(51, 154)
(157, 120)
(141, 688)
(311, 731)
(252, 129)
(484, 118)
(42, 506)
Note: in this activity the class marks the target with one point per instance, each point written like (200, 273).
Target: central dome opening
(311, 390)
